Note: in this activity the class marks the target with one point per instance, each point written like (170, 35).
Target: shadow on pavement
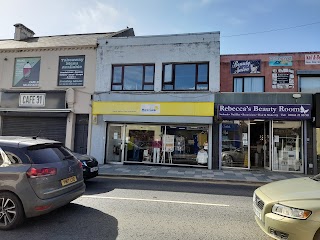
(70, 222)
(105, 184)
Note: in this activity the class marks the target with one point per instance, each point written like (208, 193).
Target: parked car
(232, 157)
(89, 164)
(289, 209)
(36, 177)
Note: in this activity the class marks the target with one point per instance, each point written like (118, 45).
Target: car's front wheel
(11, 211)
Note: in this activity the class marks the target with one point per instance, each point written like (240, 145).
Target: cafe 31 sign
(32, 100)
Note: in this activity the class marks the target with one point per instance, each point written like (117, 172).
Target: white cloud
(100, 17)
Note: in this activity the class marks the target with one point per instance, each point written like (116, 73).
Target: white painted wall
(182, 48)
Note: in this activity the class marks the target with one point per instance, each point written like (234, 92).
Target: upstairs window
(133, 78)
(185, 77)
(248, 84)
(310, 84)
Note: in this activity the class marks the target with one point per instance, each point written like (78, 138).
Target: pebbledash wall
(274, 80)
(180, 108)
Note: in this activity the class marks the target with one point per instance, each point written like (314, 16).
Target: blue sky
(235, 19)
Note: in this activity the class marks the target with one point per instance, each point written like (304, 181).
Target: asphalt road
(118, 208)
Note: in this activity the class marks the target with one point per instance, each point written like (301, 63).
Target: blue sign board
(257, 111)
(277, 61)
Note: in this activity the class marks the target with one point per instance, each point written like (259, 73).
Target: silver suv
(36, 177)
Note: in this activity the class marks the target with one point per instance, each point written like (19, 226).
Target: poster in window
(169, 143)
(283, 78)
(26, 72)
(71, 71)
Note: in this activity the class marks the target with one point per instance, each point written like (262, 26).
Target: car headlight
(290, 212)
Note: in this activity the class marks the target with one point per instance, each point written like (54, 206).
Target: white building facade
(154, 99)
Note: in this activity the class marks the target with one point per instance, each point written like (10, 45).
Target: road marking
(156, 200)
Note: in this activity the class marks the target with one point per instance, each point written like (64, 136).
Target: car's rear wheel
(11, 211)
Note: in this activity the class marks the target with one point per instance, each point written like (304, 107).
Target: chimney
(22, 32)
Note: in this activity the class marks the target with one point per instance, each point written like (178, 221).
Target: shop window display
(167, 144)
(287, 144)
(234, 144)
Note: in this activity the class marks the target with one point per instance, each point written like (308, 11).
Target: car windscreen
(48, 153)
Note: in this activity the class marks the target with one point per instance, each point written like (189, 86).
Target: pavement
(252, 176)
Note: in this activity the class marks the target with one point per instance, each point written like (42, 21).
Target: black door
(81, 133)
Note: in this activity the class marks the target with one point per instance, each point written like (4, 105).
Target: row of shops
(277, 135)
(269, 131)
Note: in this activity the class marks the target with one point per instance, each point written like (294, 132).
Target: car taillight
(80, 164)
(41, 172)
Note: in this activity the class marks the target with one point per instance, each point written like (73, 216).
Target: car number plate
(69, 180)
(94, 169)
(257, 212)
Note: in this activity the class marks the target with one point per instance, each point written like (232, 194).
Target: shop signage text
(71, 71)
(245, 66)
(278, 61)
(150, 109)
(312, 58)
(32, 100)
(252, 111)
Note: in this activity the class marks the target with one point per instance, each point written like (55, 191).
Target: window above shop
(248, 84)
(310, 84)
(133, 77)
(185, 77)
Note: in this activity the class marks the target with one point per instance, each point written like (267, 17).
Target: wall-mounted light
(6, 59)
(296, 95)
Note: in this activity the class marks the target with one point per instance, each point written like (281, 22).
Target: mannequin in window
(202, 157)
(156, 144)
(136, 149)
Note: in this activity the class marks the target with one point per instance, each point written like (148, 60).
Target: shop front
(29, 113)
(264, 136)
(155, 133)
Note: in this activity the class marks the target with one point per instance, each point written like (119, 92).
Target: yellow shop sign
(154, 108)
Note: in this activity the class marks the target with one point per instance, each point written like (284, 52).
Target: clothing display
(180, 144)
(202, 138)
(156, 155)
(202, 157)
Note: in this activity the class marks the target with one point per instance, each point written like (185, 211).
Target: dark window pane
(202, 87)
(117, 74)
(148, 87)
(149, 74)
(185, 77)
(117, 87)
(237, 85)
(47, 155)
(203, 73)
(168, 87)
(133, 78)
(168, 73)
